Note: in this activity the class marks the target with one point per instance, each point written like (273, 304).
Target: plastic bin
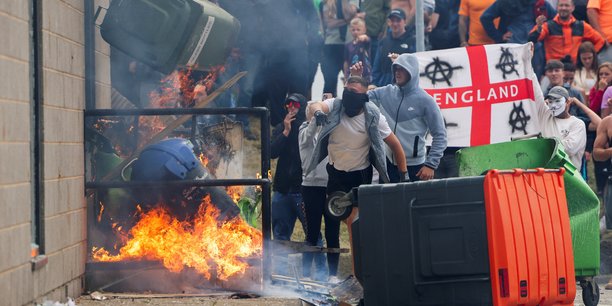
(530, 246)
(423, 243)
(583, 204)
(165, 34)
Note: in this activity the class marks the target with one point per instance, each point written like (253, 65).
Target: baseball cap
(558, 92)
(429, 4)
(399, 13)
(553, 64)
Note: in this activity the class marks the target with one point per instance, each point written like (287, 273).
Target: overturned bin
(583, 204)
(466, 241)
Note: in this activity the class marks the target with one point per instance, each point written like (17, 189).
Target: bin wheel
(590, 292)
(333, 210)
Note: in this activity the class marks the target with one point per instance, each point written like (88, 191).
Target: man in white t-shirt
(555, 121)
(353, 135)
(354, 138)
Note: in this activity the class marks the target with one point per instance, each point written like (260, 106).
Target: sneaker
(333, 280)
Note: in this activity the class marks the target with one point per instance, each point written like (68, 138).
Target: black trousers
(331, 64)
(394, 174)
(448, 166)
(601, 174)
(314, 202)
(345, 181)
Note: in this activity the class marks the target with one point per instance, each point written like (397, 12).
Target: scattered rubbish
(97, 296)
(243, 295)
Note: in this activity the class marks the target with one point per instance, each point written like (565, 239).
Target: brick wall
(64, 207)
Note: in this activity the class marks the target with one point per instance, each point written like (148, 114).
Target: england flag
(486, 93)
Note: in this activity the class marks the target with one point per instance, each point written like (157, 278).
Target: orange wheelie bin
(530, 241)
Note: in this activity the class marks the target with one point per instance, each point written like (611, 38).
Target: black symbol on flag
(507, 62)
(518, 118)
(450, 124)
(438, 71)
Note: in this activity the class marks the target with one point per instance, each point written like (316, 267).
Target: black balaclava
(353, 102)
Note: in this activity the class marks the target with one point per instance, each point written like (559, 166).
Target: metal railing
(264, 182)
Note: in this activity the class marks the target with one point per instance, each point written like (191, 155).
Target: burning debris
(202, 243)
(196, 227)
(187, 230)
(182, 88)
(169, 217)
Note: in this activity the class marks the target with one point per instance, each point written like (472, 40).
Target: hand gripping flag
(486, 93)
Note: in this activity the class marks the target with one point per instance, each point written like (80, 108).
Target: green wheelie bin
(583, 203)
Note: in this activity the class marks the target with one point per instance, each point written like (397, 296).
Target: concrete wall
(63, 173)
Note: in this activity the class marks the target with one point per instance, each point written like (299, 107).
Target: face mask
(556, 105)
(353, 102)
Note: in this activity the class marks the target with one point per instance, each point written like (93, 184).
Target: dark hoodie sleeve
(279, 141)
(486, 19)
(376, 69)
(435, 122)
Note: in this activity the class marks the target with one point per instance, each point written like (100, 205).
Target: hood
(411, 64)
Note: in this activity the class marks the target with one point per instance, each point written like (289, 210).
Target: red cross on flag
(486, 93)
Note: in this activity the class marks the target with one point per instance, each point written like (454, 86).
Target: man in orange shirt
(599, 13)
(563, 34)
(470, 11)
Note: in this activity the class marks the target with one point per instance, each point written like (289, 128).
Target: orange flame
(203, 160)
(235, 192)
(201, 244)
(179, 90)
(101, 211)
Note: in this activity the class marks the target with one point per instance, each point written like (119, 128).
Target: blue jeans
(286, 208)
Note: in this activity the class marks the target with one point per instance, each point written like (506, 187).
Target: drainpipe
(36, 135)
(90, 56)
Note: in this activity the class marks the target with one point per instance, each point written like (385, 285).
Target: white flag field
(486, 93)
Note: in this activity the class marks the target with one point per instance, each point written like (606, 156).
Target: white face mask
(556, 105)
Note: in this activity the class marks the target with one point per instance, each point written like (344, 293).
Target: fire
(181, 88)
(258, 176)
(101, 211)
(235, 192)
(203, 160)
(202, 243)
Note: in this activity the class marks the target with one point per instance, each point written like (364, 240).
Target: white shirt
(349, 143)
(571, 132)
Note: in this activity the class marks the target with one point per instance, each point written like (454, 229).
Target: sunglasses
(293, 104)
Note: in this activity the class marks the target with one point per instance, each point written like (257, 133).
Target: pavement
(86, 300)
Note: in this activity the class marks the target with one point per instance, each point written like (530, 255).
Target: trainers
(333, 279)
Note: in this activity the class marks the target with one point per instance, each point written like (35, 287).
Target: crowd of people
(375, 131)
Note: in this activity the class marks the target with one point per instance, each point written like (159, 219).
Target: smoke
(280, 43)
(273, 50)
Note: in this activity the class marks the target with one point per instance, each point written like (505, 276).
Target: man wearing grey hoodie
(411, 113)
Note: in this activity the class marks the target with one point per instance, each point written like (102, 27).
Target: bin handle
(534, 135)
(126, 167)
